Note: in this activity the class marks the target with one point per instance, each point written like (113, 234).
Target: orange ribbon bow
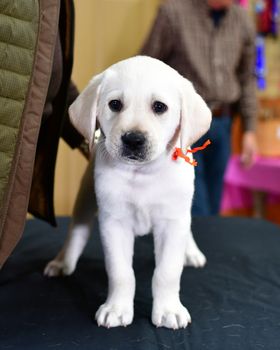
(179, 153)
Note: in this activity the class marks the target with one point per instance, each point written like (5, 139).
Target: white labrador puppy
(144, 108)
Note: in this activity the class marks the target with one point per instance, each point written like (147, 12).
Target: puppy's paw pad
(112, 315)
(177, 318)
(57, 268)
(194, 257)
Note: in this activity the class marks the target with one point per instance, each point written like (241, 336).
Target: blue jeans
(212, 161)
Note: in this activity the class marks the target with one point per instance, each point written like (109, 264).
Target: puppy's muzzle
(134, 145)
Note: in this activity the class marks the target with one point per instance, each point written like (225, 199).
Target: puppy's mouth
(133, 156)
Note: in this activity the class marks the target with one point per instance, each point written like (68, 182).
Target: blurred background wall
(106, 31)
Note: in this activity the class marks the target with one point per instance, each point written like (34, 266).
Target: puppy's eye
(115, 105)
(159, 107)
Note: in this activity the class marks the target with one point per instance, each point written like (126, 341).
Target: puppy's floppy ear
(195, 115)
(83, 111)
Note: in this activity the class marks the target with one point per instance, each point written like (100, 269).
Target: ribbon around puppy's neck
(179, 153)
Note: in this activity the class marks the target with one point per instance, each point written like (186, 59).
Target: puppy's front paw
(194, 257)
(114, 315)
(57, 268)
(173, 316)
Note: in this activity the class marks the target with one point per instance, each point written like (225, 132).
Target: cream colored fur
(138, 196)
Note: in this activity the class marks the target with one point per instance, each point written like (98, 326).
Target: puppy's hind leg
(193, 255)
(79, 230)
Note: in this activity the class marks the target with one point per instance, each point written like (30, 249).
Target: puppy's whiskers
(102, 151)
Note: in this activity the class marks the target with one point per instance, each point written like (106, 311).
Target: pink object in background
(244, 3)
(263, 176)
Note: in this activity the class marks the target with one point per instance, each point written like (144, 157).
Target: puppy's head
(142, 105)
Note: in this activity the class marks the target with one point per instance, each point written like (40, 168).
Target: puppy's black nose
(134, 140)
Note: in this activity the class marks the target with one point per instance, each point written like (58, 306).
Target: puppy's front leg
(118, 242)
(170, 243)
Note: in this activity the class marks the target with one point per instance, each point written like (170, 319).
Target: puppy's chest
(141, 190)
(136, 201)
(141, 200)
(144, 205)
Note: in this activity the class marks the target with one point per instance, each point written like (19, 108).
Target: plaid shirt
(219, 61)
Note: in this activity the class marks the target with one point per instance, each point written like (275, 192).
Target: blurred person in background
(211, 43)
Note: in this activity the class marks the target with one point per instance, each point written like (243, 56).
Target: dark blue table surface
(234, 301)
